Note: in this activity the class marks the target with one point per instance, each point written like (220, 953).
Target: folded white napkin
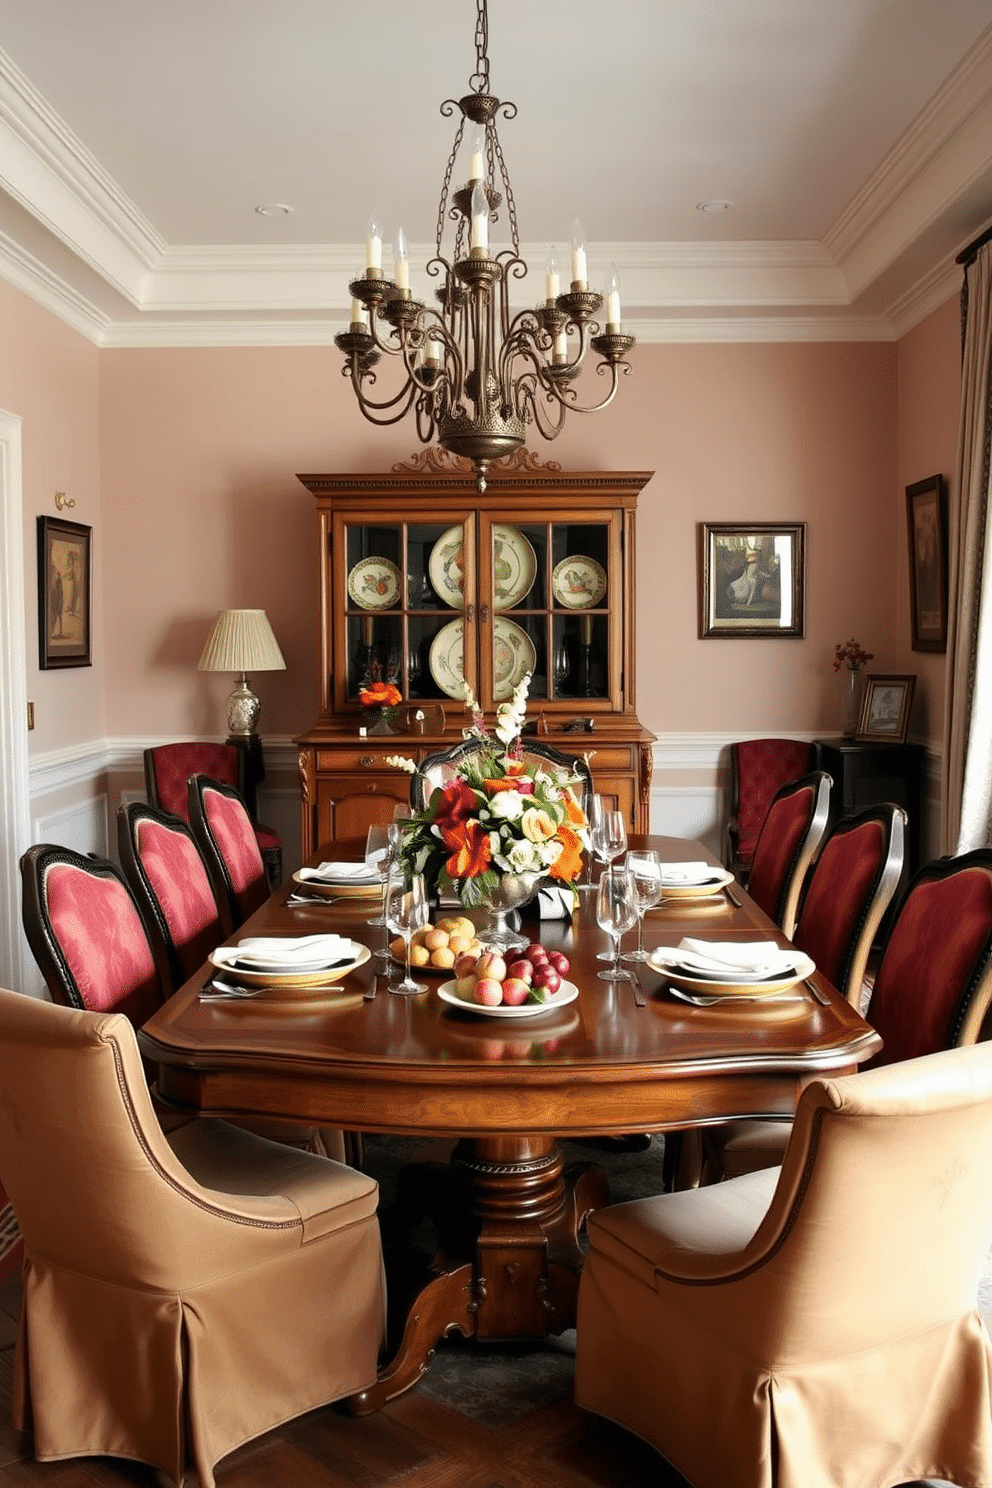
(341, 873)
(291, 952)
(688, 873)
(752, 960)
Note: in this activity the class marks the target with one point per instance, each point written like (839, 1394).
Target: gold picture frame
(752, 579)
(65, 601)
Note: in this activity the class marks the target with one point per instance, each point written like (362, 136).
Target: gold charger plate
(710, 886)
(717, 987)
(223, 959)
(328, 888)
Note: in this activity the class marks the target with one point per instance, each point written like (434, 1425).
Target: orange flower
(472, 855)
(574, 811)
(507, 782)
(380, 695)
(569, 861)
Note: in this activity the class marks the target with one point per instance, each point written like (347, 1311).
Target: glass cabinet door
(406, 616)
(550, 606)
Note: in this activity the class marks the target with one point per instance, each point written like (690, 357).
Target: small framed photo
(885, 709)
(926, 512)
(64, 594)
(752, 579)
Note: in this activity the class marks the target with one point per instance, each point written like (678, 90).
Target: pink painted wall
(929, 400)
(185, 461)
(200, 450)
(50, 377)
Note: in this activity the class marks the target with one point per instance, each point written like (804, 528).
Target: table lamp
(242, 641)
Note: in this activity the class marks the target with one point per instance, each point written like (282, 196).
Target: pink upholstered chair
(814, 1324)
(168, 876)
(168, 768)
(223, 830)
(759, 768)
(790, 835)
(87, 934)
(932, 991)
(183, 1294)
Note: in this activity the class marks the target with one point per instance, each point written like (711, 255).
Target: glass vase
(382, 721)
(852, 702)
(512, 890)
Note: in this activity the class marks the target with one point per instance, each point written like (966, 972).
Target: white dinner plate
(345, 888)
(566, 993)
(720, 987)
(720, 879)
(225, 959)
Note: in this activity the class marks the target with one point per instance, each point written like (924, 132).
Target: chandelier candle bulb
(552, 282)
(479, 231)
(560, 351)
(477, 159)
(401, 266)
(578, 256)
(373, 249)
(359, 316)
(613, 299)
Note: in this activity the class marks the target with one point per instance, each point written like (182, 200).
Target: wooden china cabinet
(424, 580)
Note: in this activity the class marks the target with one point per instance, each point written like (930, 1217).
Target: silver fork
(217, 991)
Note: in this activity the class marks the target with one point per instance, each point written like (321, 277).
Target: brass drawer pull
(368, 761)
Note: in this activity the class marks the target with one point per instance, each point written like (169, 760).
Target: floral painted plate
(514, 566)
(513, 656)
(566, 993)
(578, 583)
(374, 583)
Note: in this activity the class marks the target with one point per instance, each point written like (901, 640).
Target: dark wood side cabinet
(424, 580)
(865, 775)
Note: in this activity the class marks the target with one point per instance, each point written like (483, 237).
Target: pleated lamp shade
(241, 641)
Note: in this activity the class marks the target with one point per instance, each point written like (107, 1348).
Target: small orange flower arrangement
(380, 695)
(499, 817)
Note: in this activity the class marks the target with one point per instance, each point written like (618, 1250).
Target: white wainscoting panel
(81, 826)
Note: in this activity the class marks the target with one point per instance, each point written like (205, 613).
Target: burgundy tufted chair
(932, 991)
(759, 768)
(223, 830)
(169, 879)
(168, 768)
(87, 934)
(790, 835)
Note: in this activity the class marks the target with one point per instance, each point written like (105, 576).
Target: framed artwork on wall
(64, 594)
(926, 512)
(885, 709)
(752, 579)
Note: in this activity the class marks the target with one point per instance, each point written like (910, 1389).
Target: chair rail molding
(15, 817)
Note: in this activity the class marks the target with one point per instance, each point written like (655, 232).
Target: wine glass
(616, 911)
(645, 868)
(406, 911)
(609, 840)
(380, 851)
(594, 814)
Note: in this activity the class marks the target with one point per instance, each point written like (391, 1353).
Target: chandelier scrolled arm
(477, 375)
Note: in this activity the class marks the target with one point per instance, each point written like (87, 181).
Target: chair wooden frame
(421, 788)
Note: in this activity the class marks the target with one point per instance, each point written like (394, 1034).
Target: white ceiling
(137, 137)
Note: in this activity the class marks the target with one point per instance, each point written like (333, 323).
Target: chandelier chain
(446, 186)
(479, 81)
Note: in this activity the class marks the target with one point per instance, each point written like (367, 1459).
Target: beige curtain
(966, 786)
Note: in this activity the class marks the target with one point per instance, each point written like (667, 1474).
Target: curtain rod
(968, 254)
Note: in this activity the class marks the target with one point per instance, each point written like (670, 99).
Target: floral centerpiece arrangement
(378, 699)
(853, 656)
(499, 818)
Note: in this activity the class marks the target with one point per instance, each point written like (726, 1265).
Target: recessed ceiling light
(273, 209)
(715, 204)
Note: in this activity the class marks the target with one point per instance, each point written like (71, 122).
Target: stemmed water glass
(406, 911)
(645, 869)
(594, 814)
(380, 853)
(616, 911)
(609, 840)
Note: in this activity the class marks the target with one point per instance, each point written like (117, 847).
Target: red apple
(465, 965)
(515, 991)
(521, 968)
(560, 962)
(491, 964)
(547, 977)
(535, 949)
(488, 991)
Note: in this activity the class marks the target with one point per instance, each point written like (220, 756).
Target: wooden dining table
(608, 1063)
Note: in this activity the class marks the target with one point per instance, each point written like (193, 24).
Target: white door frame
(15, 802)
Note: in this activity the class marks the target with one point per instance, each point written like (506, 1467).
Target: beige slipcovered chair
(181, 1296)
(736, 1329)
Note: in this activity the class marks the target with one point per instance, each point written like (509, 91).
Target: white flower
(537, 825)
(507, 805)
(523, 856)
(400, 762)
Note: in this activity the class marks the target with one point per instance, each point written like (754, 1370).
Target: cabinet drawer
(362, 757)
(614, 757)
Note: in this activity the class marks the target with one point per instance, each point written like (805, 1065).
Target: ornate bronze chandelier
(476, 375)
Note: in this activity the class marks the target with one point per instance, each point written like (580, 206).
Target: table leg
(510, 1203)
